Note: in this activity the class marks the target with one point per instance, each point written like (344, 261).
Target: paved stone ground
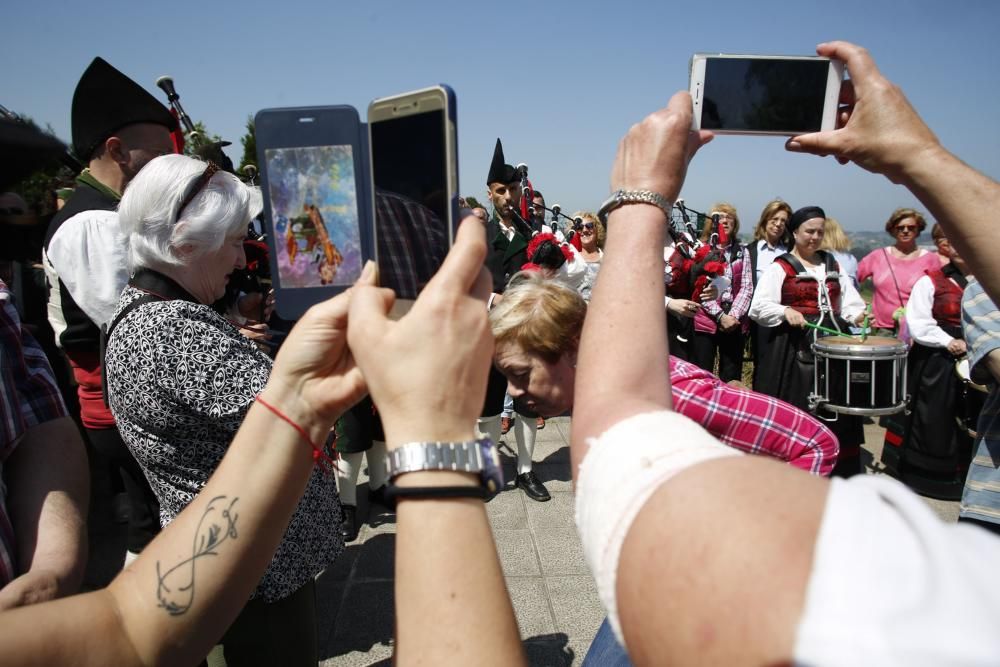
(554, 598)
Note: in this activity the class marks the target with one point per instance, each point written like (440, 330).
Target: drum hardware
(855, 378)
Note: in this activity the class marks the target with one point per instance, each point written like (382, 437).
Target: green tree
(249, 142)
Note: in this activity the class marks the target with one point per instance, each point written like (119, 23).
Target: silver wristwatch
(478, 456)
(622, 197)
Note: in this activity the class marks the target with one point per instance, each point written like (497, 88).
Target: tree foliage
(249, 142)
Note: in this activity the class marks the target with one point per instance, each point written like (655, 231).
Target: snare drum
(856, 377)
(970, 399)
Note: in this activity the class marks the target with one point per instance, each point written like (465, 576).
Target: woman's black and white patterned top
(180, 380)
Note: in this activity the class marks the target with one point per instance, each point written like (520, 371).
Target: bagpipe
(694, 264)
(526, 211)
(188, 132)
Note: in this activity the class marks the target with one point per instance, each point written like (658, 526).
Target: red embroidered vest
(947, 308)
(800, 289)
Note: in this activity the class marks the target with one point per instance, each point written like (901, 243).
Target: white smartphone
(414, 162)
(779, 95)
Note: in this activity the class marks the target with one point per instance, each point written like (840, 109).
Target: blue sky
(558, 82)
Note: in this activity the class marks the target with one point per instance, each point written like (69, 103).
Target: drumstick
(865, 330)
(829, 331)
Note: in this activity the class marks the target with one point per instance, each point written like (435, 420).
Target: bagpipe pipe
(528, 209)
(188, 133)
(522, 215)
(256, 276)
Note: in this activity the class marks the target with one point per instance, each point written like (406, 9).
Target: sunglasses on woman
(589, 226)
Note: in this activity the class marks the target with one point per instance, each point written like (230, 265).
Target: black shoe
(349, 522)
(532, 486)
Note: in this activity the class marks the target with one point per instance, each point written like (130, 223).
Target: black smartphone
(414, 162)
(317, 207)
(780, 95)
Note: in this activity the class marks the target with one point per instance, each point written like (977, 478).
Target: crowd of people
(703, 505)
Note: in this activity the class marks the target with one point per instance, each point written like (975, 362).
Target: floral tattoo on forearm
(175, 587)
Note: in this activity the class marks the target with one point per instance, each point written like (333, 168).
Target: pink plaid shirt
(752, 422)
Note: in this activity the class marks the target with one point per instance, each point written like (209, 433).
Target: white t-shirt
(892, 584)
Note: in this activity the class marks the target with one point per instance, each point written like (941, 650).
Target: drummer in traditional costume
(805, 285)
(928, 449)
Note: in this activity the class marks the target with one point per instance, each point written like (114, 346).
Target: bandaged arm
(698, 552)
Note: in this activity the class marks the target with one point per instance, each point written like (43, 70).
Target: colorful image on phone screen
(314, 207)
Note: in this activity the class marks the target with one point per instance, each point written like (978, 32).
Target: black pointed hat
(500, 171)
(105, 101)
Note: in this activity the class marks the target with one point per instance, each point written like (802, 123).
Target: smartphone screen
(410, 170)
(314, 208)
(764, 94)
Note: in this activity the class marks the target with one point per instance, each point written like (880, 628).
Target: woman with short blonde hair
(542, 316)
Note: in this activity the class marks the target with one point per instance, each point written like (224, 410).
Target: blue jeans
(508, 406)
(605, 651)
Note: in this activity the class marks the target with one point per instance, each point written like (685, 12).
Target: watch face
(492, 473)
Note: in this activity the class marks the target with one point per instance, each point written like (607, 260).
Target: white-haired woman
(181, 378)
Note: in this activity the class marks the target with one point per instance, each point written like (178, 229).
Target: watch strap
(393, 492)
(461, 456)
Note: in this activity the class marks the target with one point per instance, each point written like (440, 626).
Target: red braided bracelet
(318, 453)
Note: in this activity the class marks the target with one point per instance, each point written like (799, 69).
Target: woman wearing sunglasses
(894, 269)
(591, 233)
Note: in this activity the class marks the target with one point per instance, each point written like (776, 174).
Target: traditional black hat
(803, 214)
(105, 101)
(500, 172)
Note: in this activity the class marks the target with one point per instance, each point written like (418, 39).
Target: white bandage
(620, 472)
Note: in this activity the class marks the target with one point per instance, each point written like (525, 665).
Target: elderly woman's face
(208, 274)
(547, 387)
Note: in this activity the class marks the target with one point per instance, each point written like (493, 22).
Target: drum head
(963, 372)
(873, 346)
